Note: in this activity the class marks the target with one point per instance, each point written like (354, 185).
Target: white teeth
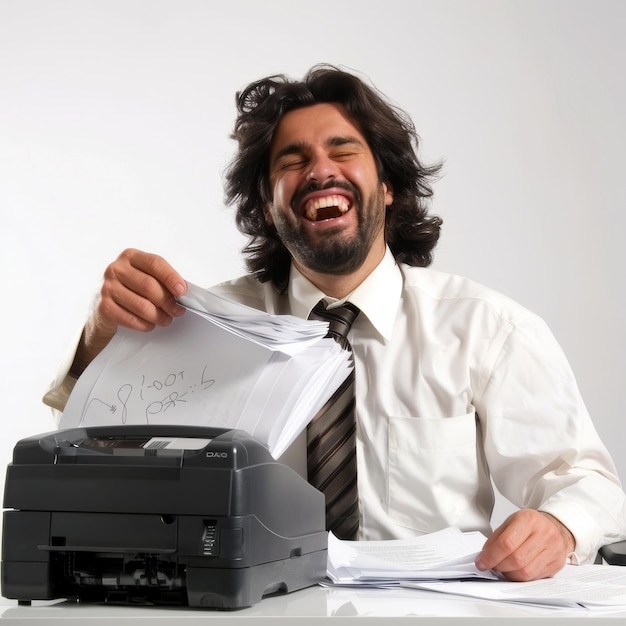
(322, 203)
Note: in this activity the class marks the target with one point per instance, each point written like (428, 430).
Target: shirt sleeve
(61, 386)
(542, 448)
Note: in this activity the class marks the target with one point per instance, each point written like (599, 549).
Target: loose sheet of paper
(576, 586)
(197, 372)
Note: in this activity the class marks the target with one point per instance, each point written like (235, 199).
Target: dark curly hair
(410, 232)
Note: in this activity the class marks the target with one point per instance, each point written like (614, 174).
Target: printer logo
(217, 455)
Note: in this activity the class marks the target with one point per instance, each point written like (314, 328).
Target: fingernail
(179, 289)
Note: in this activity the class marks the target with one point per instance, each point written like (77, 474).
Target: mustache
(315, 186)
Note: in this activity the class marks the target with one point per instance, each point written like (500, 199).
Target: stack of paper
(286, 333)
(446, 554)
(444, 562)
(224, 365)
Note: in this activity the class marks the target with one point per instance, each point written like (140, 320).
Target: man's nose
(321, 168)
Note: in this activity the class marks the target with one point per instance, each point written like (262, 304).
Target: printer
(182, 515)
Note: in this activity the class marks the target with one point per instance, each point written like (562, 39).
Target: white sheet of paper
(195, 372)
(589, 586)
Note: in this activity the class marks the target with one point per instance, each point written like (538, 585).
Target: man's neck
(340, 285)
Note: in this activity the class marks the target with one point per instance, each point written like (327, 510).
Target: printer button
(231, 543)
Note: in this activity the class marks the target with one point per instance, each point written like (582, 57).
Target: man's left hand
(529, 545)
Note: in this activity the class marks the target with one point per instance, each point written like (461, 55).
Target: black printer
(186, 515)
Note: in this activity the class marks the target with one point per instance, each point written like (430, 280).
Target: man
(456, 384)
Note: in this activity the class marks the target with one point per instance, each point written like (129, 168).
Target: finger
(504, 541)
(157, 267)
(543, 565)
(134, 295)
(541, 555)
(150, 276)
(140, 294)
(518, 562)
(128, 309)
(527, 546)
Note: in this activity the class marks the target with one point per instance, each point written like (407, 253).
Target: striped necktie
(331, 437)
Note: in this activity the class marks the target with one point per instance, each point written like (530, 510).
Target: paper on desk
(575, 586)
(197, 372)
(448, 553)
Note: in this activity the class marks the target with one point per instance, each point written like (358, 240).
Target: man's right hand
(139, 292)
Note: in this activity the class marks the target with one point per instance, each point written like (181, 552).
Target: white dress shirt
(457, 385)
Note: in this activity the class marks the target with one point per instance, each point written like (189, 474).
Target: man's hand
(529, 545)
(138, 292)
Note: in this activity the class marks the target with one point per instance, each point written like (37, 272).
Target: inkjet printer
(185, 515)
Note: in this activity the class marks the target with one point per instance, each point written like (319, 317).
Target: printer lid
(164, 445)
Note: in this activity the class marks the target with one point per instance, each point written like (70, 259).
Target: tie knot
(339, 319)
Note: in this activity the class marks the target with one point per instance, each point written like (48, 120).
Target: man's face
(328, 204)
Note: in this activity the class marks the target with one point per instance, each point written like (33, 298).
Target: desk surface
(307, 606)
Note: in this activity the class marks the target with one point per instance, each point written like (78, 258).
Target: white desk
(310, 606)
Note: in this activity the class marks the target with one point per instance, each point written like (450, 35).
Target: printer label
(176, 443)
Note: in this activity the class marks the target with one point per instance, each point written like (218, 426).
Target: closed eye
(291, 164)
(344, 156)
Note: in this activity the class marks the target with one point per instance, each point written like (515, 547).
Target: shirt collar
(377, 297)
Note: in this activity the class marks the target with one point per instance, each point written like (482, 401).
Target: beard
(334, 252)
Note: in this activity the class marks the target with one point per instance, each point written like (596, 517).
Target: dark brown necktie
(331, 437)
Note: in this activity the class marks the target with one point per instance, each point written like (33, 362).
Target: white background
(115, 118)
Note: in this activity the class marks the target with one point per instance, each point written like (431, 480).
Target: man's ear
(388, 189)
(267, 213)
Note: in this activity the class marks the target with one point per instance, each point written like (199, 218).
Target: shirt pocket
(433, 470)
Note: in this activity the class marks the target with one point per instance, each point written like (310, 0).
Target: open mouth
(326, 208)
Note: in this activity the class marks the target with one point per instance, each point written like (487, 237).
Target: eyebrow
(298, 147)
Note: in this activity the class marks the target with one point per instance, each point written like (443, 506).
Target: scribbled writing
(152, 396)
